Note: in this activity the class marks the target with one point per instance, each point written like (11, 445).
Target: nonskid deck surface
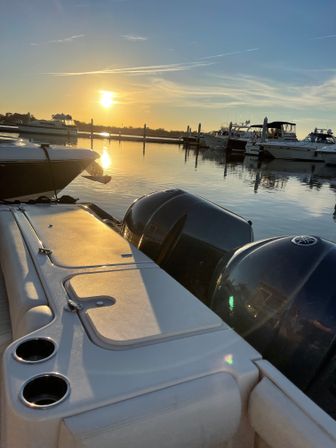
(110, 351)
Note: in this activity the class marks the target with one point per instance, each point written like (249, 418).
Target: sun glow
(105, 159)
(107, 98)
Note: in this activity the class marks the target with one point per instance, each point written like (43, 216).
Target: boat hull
(216, 142)
(328, 157)
(299, 153)
(27, 170)
(48, 130)
(20, 180)
(237, 144)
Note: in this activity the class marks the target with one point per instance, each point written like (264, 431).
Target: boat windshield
(315, 137)
(289, 128)
(281, 129)
(64, 119)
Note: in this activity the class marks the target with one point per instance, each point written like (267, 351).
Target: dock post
(144, 141)
(199, 134)
(91, 133)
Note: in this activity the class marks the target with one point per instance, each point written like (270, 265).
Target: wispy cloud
(328, 36)
(232, 53)
(140, 70)
(133, 38)
(153, 69)
(237, 91)
(58, 41)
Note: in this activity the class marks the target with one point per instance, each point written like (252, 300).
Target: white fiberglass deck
(108, 350)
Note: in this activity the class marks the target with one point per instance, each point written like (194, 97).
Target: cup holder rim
(37, 338)
(43, 375)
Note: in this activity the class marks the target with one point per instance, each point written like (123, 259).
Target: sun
(107, 98)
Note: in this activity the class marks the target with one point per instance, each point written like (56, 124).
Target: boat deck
(109, 350)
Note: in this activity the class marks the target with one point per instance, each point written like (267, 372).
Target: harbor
(167, 225)
(106, 135)
(130, 255)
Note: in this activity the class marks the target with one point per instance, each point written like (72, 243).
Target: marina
(139, 240)
(279, 201)
(136, 294)
(167, 225)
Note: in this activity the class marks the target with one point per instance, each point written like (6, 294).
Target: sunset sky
(171, 63)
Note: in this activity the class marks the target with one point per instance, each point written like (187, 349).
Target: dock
(109, 136)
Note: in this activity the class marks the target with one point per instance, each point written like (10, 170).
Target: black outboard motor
(185, 235)
(280, 295)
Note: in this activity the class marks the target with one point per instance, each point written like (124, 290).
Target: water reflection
(276, 173)
(105, 159)
(268, 174)
(63, 140)
(279, 197)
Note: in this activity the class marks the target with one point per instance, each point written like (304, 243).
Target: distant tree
(16, 118)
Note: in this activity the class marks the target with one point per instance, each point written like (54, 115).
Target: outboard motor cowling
(186, 235)
(280, 295)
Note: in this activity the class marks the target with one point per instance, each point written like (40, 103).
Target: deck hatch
(76, 238)
(135, 306)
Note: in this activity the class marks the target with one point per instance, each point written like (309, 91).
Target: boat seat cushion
(5, 324)
(204, 412)
(28, 305)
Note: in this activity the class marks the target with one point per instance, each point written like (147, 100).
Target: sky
(170, 64)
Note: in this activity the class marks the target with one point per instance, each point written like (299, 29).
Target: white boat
(277, 133)
(308, 149)
(100, 347)
(328, 154)
(60, 124)
(216, 140)
(27, 169)
(239, 134)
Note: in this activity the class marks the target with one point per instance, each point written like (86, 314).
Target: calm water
(279, 197)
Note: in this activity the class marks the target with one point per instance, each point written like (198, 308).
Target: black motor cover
(280, 295)
(186, 235)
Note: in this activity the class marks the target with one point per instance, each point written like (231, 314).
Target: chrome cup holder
(45, 390)
(35, 350)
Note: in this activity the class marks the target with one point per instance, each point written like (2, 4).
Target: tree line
(15, 118)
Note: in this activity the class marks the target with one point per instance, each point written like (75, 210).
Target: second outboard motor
(280, 295)
(185, 235)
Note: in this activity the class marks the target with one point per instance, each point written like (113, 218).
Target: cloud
(328, 36)
(150, 69)
(236, 91)
(58, 41)
(133, 38)
(232, 53)
(140, 70)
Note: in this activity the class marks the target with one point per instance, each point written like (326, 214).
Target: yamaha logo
(304, 240)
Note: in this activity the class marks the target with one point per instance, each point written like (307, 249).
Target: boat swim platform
(102, 348)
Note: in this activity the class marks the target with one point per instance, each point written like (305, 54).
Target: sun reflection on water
(105, 159)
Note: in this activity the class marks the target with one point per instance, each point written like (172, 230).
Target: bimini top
(279, 124)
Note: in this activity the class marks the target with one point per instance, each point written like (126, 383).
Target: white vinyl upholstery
(24, 290)
(5, 325)
(202, 413)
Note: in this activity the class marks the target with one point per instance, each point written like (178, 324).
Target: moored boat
(269, 134)
(216, 140)
(328, 154)
(239, 134)
(60, 124)
(28, 169)
(313, 148)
